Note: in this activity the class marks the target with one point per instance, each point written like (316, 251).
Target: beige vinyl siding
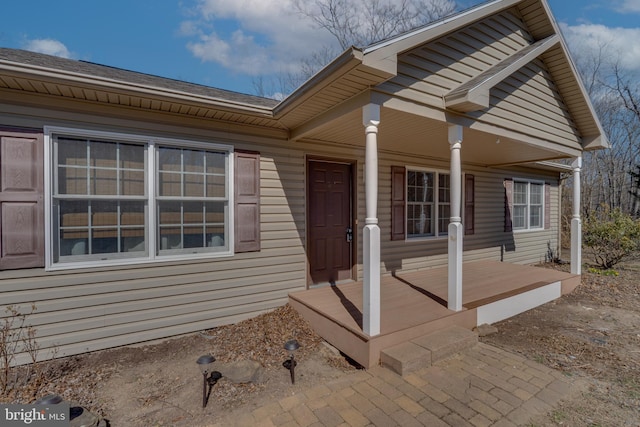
(489, 242)
(89, 309)
(566, 83)
(528, 101)
(84, 310)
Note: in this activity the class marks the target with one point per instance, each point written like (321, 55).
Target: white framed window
(528, 205)
(428, 203)
(118, 198)
(191, 197)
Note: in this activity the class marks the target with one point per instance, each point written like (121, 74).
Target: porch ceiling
(409, 134)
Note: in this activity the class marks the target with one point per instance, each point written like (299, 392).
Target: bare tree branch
(363, 22)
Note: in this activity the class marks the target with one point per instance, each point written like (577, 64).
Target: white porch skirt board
(509, 307)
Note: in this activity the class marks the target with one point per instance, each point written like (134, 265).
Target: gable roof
(360, 68)
(336, 91)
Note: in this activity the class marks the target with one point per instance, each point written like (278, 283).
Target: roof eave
(401, 43)
(596, 142)
(347, 61)
(552, 166)
(57, 76)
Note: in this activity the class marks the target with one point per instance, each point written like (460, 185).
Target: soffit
(538, 20)
(540, 24)
(413, 135)
(411, 119)
(345, 78)
(58, 77)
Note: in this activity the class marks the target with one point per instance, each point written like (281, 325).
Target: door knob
(349, 235)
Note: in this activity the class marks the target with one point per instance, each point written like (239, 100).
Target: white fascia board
(84, 80)
(593, 143)
(421, 35)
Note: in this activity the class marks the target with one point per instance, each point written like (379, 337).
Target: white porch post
(455, 222)
(371, 232)
(576, 222)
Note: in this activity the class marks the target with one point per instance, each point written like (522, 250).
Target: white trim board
(509, 307)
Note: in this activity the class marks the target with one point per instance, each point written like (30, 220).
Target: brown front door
(330, 221)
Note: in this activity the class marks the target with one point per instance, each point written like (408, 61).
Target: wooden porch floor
(415, 304)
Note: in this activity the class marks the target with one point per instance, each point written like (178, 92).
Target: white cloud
(239, 52)
(628, 6)
(48, 46)
(620, 44)
(254, 37)
(188, 29)
(268, 37)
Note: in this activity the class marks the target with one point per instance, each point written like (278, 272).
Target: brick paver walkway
(482, 386)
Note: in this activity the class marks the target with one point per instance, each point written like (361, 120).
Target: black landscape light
(79, 416)
(291, 346)
(209, 377)
(50, 399)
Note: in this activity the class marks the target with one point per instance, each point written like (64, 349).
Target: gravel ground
(160, 384)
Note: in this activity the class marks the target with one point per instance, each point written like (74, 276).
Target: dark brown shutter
(547, 206)
(398, 205)
(469, 204)
(508, 204)
(247, 201)
(21, 199)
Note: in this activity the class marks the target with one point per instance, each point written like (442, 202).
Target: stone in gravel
(486, 329)
(330, 349)
(242, 371)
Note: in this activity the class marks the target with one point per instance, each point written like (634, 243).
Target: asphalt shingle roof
(126, 76)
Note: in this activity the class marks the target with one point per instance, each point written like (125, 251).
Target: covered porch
(452, 100)
(415, 304)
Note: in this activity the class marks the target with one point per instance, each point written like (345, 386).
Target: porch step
(423, 351)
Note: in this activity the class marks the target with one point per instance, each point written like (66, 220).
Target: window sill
(61, 266)
(426, 238)
(527, 230)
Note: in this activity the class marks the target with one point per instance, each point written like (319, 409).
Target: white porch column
(576, 222)
(371, 232)
(455, 222)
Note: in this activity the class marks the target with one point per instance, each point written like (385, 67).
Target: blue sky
(227, 43)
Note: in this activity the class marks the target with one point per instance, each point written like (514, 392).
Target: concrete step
(423, 351)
